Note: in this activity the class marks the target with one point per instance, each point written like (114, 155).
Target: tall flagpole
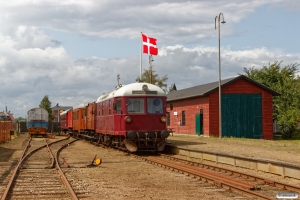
(141, 57)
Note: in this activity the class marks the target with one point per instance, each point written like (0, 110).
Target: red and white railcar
(132, 116)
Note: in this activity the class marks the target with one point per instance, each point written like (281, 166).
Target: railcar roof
(80, 106)
(38, 108)
(4, 116)
(133, 89)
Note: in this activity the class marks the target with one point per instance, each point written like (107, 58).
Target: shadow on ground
(183, 143)
(5, 154)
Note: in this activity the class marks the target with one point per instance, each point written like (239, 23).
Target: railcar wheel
(100, 139)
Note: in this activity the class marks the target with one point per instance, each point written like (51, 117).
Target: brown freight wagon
(6, 127)
(79, 115)
(90, 117)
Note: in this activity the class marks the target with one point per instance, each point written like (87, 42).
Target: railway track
(35, 176)
(246, 184)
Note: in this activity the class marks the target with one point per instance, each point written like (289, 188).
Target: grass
(292, 146)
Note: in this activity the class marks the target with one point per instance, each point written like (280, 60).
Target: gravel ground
(11, 150)
(121, 176)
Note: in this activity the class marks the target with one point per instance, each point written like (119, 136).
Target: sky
(73, 50)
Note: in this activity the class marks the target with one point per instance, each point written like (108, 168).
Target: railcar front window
(135, 105)
(154, 105)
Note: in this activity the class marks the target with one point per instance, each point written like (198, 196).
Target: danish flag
(149, 45)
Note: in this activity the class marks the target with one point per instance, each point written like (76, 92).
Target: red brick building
(247, 109)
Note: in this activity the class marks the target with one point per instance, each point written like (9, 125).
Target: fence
(6, 129)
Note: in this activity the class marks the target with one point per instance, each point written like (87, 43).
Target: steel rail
(4, 196)
(62, 175)
(21, 161)
(207, 178)
(51, 154)
(274, 183)
(203, 173)
(26, 148)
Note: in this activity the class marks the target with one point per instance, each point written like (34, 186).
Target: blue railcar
(37, 121)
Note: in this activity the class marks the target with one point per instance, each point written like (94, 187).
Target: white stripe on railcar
(127, 90)
(65, 111)
(82, 105)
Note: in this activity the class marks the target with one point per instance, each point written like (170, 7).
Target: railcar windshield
(154, 105)
(135, 105)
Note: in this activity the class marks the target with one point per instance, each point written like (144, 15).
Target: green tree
(21, 119)
(171, 88)
(149, 76)
(286, 110)
(46, 104)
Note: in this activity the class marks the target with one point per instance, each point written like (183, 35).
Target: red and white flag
(149, 45)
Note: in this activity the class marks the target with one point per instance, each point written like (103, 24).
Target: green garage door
(242, 115)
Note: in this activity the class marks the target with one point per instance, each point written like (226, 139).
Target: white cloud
(34, 63)
(68, 82)
(124, 19)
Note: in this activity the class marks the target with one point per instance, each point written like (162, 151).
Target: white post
(141, 57)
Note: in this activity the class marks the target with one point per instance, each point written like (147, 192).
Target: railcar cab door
(117, 106)
(156, 112)
(155, 105)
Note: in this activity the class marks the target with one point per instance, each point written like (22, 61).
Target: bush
(296, 135)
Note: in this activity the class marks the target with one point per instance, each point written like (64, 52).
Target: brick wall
(191, 107)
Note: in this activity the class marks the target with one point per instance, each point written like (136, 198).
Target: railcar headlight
(127, 119)
(163, 119)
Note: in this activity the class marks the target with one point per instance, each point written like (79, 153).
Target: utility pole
(150, 61)
(220, 98)
(118, 78)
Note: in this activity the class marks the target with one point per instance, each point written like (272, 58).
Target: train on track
(37, 121)
(131, 117)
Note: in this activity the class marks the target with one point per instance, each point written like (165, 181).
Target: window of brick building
(183, 118)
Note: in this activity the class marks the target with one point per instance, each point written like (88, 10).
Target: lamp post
(220, 108)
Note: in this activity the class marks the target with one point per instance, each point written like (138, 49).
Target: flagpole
(141, 57)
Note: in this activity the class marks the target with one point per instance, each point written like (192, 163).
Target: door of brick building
(242, 115)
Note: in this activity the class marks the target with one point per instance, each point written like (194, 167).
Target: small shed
(247, 109)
